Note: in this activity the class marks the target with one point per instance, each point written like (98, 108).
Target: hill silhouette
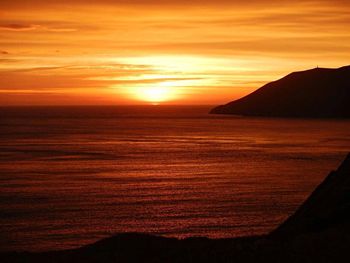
(315, 93)
(319, 231)
(328, 206)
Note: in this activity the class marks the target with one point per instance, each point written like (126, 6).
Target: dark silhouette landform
(315, 93)
(319, 231)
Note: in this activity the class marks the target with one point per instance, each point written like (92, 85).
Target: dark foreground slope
(319, 231)
(315, 93)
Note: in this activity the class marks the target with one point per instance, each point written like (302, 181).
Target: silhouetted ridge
(318, 92)
(327, 207)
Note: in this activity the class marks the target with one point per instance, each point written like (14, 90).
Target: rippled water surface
(72, 175)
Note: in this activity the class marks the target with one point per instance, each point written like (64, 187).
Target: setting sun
(164, 91)
(154, 94)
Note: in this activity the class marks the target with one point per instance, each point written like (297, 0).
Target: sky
(105, 52)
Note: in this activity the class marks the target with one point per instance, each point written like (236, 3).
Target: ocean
(73, 175)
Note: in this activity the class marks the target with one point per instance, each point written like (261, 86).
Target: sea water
(72, 175)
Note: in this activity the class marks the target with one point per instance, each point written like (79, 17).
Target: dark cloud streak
(17, 27)
(35, 4)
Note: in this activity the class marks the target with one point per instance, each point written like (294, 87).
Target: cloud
(17, 27)
(144, 80)
(66, 77)
(45, 3)
(32, 27)
(36, 69)
(8, 60)
(3, 52)
(49, 3)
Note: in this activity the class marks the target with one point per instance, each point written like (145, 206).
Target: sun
(155, 94)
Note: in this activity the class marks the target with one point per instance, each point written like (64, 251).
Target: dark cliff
(327, 208)
(315, 93)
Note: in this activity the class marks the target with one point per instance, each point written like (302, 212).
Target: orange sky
(178, 52)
